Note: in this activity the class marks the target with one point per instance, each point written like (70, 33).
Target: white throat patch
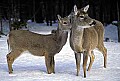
(84, 26)
(80, 28)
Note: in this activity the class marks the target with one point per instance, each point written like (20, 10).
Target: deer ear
(75, 10)
(86, 8)
(69, 16)
(59, 17)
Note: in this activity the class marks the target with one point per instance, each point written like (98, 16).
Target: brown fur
(88, 42)
(37, 44)
(88, 39)
(92, 38)
(100, 31)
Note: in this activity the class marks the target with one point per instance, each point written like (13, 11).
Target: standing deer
(85, 39)
(99, 28)
(37, 44)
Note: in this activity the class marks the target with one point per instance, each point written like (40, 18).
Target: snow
(111, 32)
(32, 68)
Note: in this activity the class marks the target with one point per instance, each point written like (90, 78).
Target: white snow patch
(32, 68)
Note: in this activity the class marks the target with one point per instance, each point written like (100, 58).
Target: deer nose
(65, 23)
(81, 16)
(92, 23)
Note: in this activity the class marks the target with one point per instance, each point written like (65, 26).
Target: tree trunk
(118, 33)
(34, 11)
(1, 26)
(118, 11)
(118, 23)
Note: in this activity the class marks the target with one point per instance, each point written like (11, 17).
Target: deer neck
(78, 33)
(61, 38)
(76, 39)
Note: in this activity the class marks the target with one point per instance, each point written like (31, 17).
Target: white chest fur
(81, 27)
(77, 38)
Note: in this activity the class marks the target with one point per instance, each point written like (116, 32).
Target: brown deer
(98, 26)
(84, 39)
(37, 44)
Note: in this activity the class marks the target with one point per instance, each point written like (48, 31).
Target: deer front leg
(78, 59)
(52, 64)
(92, 57)
(85, 58)
(48, 63)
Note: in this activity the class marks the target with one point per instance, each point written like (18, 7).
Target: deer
(86, 35)
(37, 44)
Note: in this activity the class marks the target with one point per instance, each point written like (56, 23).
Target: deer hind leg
(85, 58)
(104, 52)
(11, 57)
(92, 57)
(78, 59)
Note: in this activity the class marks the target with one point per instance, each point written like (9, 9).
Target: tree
(1, 24)
(1, 28)
(118, 24)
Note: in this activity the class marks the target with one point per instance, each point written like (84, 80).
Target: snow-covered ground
(32, 68)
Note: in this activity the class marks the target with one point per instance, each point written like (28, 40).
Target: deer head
(64, 23)
(81, 17)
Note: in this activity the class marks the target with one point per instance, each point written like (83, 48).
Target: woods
(45, 37)
(41, 11)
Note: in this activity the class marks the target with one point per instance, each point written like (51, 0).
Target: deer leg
(11, 57)
(48, 63)
(53, 64)
(85, 58)
(104, 52)
(105, 60)
(105, 57)
(78, 59)
(92, 57)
